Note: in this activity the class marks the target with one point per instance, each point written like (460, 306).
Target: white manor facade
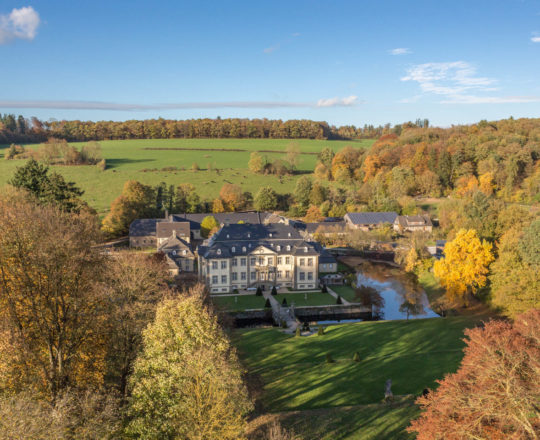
(241, 256)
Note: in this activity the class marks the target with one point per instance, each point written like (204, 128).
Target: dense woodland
(17, 129)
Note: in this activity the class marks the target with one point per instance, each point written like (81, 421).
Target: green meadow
(145, 159)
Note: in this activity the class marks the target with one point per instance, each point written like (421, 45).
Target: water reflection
(393, 293)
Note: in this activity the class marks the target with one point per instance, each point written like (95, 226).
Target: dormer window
(289, 234)
(278, 247)
(233, 249)
(305, 248)
(249, 234)
(228, 236)
(219, 251)
(243, 248)
(270, 234)
(174, 252)
(288, 248)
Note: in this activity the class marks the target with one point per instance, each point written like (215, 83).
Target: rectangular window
(214, 279)
(310, 276)
(287, 260)
(279, 260)
(302, 261)
(224, 264)
(287, 274)
(214, 264)
(243, 276)
(252, 275)
(279, 274)
(243, 261)
(270, 260)
(223, 279)
(261, 261)
(310, 261)
(234, 262)
(252, 261)
(234, 276)
(302, 276)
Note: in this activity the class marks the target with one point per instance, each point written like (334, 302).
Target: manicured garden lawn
(242, 302)
(132, 159)
(313, 299)
(431, 285)
(295, 375)
(346, 292)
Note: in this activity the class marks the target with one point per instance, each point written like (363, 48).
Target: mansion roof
(371, 218)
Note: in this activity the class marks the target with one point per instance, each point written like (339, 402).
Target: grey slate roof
(223, 218)
(324, 255)
(414, 220)
(371, 218)
(144, 227)
(242, 239)
(165, 229)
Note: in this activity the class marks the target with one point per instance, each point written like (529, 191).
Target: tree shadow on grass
(114, 163)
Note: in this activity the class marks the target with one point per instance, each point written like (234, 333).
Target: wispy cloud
(400, 51)
(535, 39)
(271, 48)
(114, 106)
(458, 83)
(20, 23)
(338, 102)
(279, 45)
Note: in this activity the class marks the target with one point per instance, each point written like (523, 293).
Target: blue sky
(346, 62)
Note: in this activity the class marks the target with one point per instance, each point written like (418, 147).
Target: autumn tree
(187, 382)
(515, 277)
(313, 214)
(208, 225)
(464, 268)
(217, 206)
(136, 282)
(256, 163)
(494, 394)
(266, 199)
(233, 197)
(136, 201)
(186, 199)
(51, 298)
(292, 155)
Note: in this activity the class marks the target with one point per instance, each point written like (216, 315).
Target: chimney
(174, 233)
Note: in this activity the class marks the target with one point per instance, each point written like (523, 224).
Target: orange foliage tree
(494, 394)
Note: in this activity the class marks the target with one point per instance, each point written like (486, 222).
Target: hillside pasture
(152, 161)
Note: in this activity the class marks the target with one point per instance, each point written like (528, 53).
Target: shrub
(259, 291)
(284, 302)
(297, 333)
(339, 300)
(320, 331)
(267, 304)
(102, 165)
(329, 359)
(305, 326)
(235, 291)
(274, 290)
(283, 323)
(356, 357)
(324, 289)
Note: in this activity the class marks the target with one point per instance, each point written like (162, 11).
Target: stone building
(241, 256)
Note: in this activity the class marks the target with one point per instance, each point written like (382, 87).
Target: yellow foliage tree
(487, 183)
(464, 268)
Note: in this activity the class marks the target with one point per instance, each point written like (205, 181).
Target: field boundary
(312, 153)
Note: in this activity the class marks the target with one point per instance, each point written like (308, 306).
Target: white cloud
(535, 39)
(20, 23)
(271, 48)
(458, 83)
(400, 51)
(338, 102)
(114, 106)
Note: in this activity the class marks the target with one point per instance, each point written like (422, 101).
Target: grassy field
(346, 292)
(295, 375)
(128, 159)
(363, 422)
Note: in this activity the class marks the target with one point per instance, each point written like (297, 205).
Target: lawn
(143, 160)
(364, 422)
(431, 286)
(242, 302)
(313, 299)
(346, 292)
(296, 377)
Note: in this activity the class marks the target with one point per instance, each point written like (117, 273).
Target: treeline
(17, 129)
